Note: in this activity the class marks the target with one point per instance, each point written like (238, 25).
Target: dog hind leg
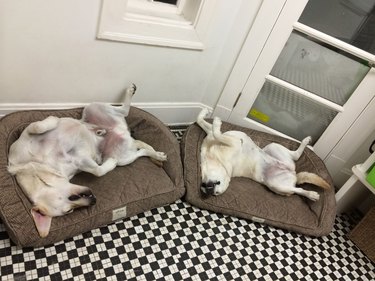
(129, 92)
(312, 195)
(289, 190)
(297, 153)
(142, 149)
(150, 151)
(285, 184)
(285, 155)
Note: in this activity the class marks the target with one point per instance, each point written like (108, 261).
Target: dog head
(215, 177)
(52, 196)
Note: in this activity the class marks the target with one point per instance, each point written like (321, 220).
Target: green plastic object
(371, 176)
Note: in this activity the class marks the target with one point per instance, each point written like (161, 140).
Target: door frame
(357, 135)
(248, 74)
(249, 54)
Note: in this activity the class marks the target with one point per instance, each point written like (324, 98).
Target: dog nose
(209, 187)
(89, 196)
(92, 200)
(85, 195)
(209, 190)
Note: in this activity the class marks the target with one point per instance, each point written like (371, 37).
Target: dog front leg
(219, 136)
(207, 127)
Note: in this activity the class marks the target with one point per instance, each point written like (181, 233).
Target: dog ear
(42, 222)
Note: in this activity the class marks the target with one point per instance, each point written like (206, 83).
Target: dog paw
(131, 90)
(314, 196)
(204, 112)
(161, 156)
(307, 140)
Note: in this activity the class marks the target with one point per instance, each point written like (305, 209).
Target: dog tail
(306, 177)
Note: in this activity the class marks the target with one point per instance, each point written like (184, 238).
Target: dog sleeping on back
(234, 154)
(50, 152)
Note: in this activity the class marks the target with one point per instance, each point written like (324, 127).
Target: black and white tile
(178, 131)
(180, 241)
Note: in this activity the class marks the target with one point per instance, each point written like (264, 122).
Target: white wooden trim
(349, 194)
(119, 24)
(353, 108)
(174, 113)
(168, 113)
(353, 189)
(276, 40)
(256, 39)
(152, 6)
(180, 5)
(306, 94)
(335, 42)
(357, 135)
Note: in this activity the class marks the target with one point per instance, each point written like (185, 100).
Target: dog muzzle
(208, 188)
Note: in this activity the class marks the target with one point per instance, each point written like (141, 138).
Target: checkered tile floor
(180, 241)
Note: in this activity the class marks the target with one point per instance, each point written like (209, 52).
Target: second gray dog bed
(250, 200)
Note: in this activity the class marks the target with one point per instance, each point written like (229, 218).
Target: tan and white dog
(50, 152)
(234, 154)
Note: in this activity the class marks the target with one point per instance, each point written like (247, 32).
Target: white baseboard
(168, 113)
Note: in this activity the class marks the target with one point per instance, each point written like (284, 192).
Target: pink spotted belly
(110, 144)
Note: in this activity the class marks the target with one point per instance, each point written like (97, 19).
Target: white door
(310, 74)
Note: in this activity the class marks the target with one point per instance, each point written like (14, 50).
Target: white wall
(49, 54)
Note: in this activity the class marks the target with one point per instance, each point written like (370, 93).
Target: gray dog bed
(123, 192)
(250, 200)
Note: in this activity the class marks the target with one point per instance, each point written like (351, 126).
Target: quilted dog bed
(123, 192)
(248, 199)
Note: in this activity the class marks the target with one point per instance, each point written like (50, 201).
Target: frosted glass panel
(290, 113)
(319, 69)
(352, 21)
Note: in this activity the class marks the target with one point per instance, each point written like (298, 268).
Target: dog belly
(279, 175)
(248, 169)
(114, 144)
(110, 144)
(280, 153)
(249, 161)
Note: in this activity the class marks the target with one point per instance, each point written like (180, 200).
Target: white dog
(234, 154)
(50, 152)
